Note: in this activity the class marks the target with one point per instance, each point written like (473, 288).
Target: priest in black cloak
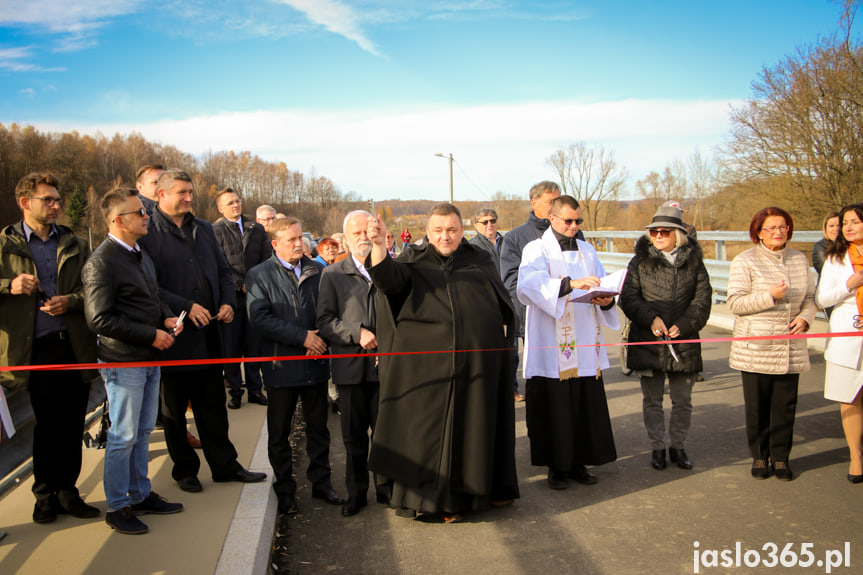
(445, 433)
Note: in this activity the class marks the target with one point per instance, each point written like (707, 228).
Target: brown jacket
(18, 312)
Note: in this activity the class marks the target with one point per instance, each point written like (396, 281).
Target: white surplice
(538, 289)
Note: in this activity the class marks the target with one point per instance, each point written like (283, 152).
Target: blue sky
(365, 92)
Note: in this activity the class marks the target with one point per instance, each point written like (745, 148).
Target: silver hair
(352, 215)
(264, 208)
(542, 187)
(484, 212)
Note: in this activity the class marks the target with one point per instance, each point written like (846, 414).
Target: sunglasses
(576, 221)
(660, 233)
(488, 221)
(140, 211)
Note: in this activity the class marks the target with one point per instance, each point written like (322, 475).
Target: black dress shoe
(235, 402)
(329, 495)
(783, 470)
(583, 476)
(557, 479)
(45, 511)
(353, 505)
(243, 476)
(761, 469)
(258, 398)
(157, 505)
(679, 457)
(287, 506)
(190, 484)
(124, 521)
(855, 478)
(77, 508)
(657, 459)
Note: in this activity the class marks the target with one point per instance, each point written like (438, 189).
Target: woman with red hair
(328, 249)
(770, 293)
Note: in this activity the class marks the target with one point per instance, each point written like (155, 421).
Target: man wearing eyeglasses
(487, 237)
(265, 215)
(567, 413)
(122, 305)
(42, 322)
(245, 244)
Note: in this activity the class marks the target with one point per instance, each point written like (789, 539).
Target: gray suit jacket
(482, 243)
(346, 302)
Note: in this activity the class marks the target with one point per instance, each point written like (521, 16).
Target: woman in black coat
(666, 295)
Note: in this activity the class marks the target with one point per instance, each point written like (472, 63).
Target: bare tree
(593, 177)
(804, 127)
(702, 182)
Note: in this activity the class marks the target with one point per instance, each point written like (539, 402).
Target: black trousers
(205, 391)
(280, 412)
(359, 407)
(242, 342)
(771, 406)
(59, 400)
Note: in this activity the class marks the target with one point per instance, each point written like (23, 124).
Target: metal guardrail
(717, 269)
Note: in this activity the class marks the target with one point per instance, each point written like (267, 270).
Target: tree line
(89, 166)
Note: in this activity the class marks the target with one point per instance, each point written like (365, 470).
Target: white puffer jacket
(753, 273)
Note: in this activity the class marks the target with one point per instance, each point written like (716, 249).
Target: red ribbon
(219, 361)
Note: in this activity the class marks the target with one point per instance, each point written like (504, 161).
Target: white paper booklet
(609, 286)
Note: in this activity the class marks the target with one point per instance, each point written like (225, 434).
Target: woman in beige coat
(842, 286)
(770, 293)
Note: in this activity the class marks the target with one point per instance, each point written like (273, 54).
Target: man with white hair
(265, 215)
(346, 319)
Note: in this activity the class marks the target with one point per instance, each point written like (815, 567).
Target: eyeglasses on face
(576, 221)
(781, 229)
(49, 201)
(488, 221)
(661, 233)
(140, 211)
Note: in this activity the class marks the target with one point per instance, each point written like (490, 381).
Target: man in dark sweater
(194, 277)
(541, 197)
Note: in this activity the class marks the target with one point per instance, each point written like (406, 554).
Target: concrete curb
(247, 547)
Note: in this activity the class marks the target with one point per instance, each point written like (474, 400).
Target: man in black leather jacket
(121, 304)
(282, 294)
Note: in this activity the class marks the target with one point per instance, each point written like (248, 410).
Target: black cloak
(445, 432)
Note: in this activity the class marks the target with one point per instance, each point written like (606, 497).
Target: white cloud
(69, 16)
(390, 154)
(15, 60)
(29, 92)
(337, 17)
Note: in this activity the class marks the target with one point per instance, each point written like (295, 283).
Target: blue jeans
(133, 401)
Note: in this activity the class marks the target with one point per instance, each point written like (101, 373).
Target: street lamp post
(450, 174)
